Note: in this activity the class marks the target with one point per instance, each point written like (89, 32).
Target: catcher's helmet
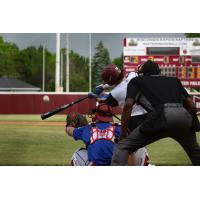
(103, 113)
(111, 74)
(76, 120)
(149, 68)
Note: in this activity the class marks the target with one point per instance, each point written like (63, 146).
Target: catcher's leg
(80, 158)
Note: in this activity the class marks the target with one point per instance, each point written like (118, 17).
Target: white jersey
(119, 94)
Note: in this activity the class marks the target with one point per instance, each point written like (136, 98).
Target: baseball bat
(61, 108)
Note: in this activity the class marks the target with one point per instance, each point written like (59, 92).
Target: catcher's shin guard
(80, 158)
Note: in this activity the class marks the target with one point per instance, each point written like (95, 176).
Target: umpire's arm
(187, 99)
(132, 91)
(126, 115)
(189, 104)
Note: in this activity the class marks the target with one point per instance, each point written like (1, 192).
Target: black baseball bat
(61, 108)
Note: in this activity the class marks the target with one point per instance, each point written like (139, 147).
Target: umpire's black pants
(184, 136)
(179, 122)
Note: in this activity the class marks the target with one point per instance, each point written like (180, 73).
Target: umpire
(173, 115)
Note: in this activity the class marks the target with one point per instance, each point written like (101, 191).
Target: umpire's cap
(111, 74)
(149, 68)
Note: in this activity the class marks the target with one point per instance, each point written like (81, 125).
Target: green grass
(168, 152)
(30, 118)
(35, 145)
(49, 145)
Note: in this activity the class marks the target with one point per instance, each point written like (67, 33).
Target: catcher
(99, 137)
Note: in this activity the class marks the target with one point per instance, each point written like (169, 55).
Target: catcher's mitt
(76, 120)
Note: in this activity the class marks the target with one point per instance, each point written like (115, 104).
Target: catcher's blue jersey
(100, 141)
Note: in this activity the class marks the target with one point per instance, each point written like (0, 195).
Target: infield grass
(31, 118)
(49, 145)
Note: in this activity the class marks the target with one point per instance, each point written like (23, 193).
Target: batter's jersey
(99, 140)
(119, 94)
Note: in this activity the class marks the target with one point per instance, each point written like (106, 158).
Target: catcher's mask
(148, 68)
(76, 120)
(103, 113)
(111, 74)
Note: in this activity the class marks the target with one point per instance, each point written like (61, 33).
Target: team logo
(196, 42)
(184, 51)
(132, 42)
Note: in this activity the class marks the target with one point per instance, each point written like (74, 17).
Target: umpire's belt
(173, 105)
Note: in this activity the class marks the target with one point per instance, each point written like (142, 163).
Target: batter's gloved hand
(92, 95)
(76, 120)
(98, 90)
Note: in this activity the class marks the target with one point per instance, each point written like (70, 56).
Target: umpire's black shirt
(157, 89)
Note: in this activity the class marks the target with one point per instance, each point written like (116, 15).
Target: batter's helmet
(111, 74)
(149, 68)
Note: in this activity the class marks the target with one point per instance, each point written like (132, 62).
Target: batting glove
(92, 95)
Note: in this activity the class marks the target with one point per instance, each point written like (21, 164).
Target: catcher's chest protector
(106, 134)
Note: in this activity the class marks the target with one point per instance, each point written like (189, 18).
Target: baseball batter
(114, 77)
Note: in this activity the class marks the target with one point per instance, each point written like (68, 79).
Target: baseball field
(26, 140)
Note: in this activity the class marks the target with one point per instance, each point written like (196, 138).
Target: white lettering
(191, 83)
(197, 104)
(185, 83)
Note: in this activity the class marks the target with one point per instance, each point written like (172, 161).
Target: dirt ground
(33, 123)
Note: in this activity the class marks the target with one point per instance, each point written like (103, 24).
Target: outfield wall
(32, 103)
